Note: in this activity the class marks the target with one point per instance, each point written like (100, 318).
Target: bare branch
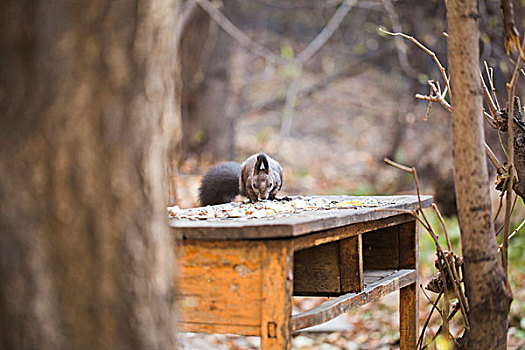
(290, 103)
(431, 53)
(187, 13)
(238, 34)
(327, 31)
(492, 106)
(434, 307)
(436, 209)
(517, 229)
(427, 113)
(400, 45)
(452, 272)
(490, 77)
(350, 69)
(494, 160)
(438, 99)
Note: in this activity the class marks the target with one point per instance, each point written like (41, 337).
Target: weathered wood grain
(408, 317)
(220, 282)
(336, 234)
(317, 271)
(372, 276)
(295, 225)
(408, 296)
(329, 269)
(381, 249)
(196, 327)
(408, 245)
(277, 290)
(351, 264)
(337, 306)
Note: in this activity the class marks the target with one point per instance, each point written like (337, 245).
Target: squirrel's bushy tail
(220, 184)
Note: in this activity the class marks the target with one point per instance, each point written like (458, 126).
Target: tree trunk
(86, 109)
(208, 125)
(486, 284)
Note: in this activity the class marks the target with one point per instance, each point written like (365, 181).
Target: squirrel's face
(262, 185)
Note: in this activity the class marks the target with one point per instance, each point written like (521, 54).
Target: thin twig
(327, 31)
(427, 321)
(436, 209)
(397, 165)
(439, 331)
(436, 95)
(349, 69)
(494, 160)
(457, 287)
(490, 77)
(488, 98)
(290, 103)
(429, 107)
(431, 53)
(446, 308)
(430, 300)
(238, 34)
(517, 229)
(501, 144)
(187, 13)
(438, 99)
(416, 182)
(409, 212)
(500, 205)
(401, 48)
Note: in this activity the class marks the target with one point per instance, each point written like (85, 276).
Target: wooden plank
(277, 286)
(220, 282)
(408, 317)
(375, 275)
(408, 245)
(381, 249)
(351, 264)
(196, 327)
(332, 235)
(295, 225)
(409, 295)
(337, 306)
(316, 271)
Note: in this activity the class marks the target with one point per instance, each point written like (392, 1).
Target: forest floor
(336, 145)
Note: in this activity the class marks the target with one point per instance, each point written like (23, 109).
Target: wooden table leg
(408, 317)
(408, 296)
(277, 295)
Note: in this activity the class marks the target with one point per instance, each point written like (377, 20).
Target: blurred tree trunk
(486, 284)
(208, 127)
(86, 109)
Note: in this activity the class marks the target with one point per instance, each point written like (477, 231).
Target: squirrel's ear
(261, 165)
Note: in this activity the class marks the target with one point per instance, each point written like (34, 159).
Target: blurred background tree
(86, 114)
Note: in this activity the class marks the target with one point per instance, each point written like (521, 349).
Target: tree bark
(86, 110)
(485, 281)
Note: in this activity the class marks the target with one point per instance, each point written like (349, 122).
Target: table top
(299, 223)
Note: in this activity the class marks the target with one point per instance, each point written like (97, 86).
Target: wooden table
(240, 277)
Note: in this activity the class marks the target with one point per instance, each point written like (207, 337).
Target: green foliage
(517, 251)
(287, 52)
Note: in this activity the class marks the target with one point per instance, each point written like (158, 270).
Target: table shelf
(378, 283)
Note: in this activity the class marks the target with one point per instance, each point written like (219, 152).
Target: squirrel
(259, 177)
